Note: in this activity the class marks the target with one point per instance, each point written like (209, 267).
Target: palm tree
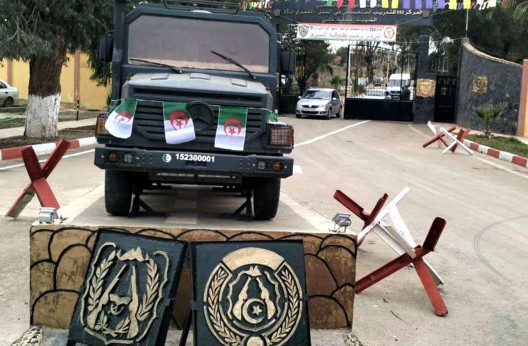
(336, 81)
(488, 113)
(521, 9)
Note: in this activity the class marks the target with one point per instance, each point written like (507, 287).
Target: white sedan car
(8, 94)
(319, 103)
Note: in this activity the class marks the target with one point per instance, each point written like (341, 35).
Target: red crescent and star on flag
(178, 120)
(123, 117)
(231, 126)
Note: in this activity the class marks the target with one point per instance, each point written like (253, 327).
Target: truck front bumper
(193, 167)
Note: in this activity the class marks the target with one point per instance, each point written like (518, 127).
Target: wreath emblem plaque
(125, 294)
(254, 297)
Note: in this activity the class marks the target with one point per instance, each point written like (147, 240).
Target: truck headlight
(281, 136)
(100, 129)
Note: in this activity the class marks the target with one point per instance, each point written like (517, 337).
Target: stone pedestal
(60, 254)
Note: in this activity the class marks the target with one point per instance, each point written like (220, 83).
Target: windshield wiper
(155, 63)
(229, 60)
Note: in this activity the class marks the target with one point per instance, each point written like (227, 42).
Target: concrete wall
(503, 85)
(523, 108)
(74, 82)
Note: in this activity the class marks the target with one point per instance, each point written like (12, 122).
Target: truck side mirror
(105, 48)
(287, 61)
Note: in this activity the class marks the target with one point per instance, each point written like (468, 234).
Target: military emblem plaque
(249, 294)
(127, 293)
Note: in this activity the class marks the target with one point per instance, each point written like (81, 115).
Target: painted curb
(502, 155)
(43, 149)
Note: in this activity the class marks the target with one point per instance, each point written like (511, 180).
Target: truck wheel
(266, 198)
(118, 192)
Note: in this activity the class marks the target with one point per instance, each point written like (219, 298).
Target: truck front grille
(148, 121)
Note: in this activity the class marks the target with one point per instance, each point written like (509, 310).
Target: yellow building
(75, 81)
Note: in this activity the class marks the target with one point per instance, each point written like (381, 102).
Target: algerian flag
(272, 117)
(179, 127)
(231, 130)
(119, 122)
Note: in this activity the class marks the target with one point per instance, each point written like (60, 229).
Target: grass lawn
(508, 144)
(7, 123)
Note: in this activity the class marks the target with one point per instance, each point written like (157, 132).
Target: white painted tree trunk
(42, 116)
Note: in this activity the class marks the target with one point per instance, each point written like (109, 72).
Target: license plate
(195, 157)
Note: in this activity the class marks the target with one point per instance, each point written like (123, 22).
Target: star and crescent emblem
(253, 297)
(178, 120)
(232, 127)
(123, 117)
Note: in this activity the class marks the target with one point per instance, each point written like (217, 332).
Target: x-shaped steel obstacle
(456, 141)
(419, 265)
(38, 175)
(358, 210)
(388, 224)
(438, 135)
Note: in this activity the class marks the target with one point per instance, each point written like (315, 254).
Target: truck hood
(196, 82)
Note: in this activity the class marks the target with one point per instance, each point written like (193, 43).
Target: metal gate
(381, 82)
(445, 99)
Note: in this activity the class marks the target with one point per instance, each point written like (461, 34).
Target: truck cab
(208, 61)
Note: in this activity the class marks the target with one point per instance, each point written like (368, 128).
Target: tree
(368, 50)
(42, 32)
(336, 82)
(342, 53)
(500, 31)
(318, 59)
(521, 9)
(488, 113)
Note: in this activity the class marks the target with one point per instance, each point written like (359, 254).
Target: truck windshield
(187, 42)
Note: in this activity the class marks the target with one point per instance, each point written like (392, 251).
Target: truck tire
(118, 192)
(266, 198)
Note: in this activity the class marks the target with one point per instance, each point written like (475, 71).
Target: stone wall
(483, 80)
(59, 257)
(424, 103)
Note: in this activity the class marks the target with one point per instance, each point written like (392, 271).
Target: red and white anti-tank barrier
(440, 135)
(387, 222)
(38, 184)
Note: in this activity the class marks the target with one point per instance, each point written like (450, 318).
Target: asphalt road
(481, 255)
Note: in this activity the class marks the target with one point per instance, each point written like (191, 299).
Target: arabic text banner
(347, 32)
